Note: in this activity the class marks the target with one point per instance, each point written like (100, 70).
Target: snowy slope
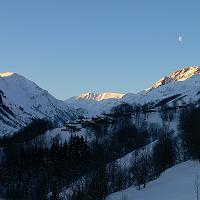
(176, 183)
(62, 136)
(21, 100)
(126, 162)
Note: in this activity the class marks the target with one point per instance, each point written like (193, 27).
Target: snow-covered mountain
(180, 86)
(183, 84)
(178, 75)
(21, 100)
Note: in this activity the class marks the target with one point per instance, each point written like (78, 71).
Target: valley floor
(176, 183)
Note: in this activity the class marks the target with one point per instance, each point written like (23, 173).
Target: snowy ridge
(100, 96)
(178, 75)
(5, 74)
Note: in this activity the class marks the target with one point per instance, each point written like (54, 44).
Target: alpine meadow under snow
(111, 146)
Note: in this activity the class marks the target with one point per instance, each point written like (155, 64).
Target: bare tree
(166, 114)
(197, 186)
(123, 195)
(140, 171)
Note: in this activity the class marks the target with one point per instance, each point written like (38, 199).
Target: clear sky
(68, 46)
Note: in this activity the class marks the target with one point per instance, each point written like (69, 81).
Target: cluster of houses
(120, 112)
(94, 122)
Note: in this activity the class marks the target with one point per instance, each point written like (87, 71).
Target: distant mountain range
(21, 100)
(183, 85)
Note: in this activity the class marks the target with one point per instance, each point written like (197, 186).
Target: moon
(180, 38)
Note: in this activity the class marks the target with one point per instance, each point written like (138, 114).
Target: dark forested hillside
(88, 169)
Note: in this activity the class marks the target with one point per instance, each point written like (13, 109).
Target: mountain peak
(183, 74)
(5, 74)
(178, 75)
(100, 96)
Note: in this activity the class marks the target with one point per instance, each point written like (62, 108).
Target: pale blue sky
(69, 47)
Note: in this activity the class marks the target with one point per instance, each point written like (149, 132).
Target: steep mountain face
(22, 100)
